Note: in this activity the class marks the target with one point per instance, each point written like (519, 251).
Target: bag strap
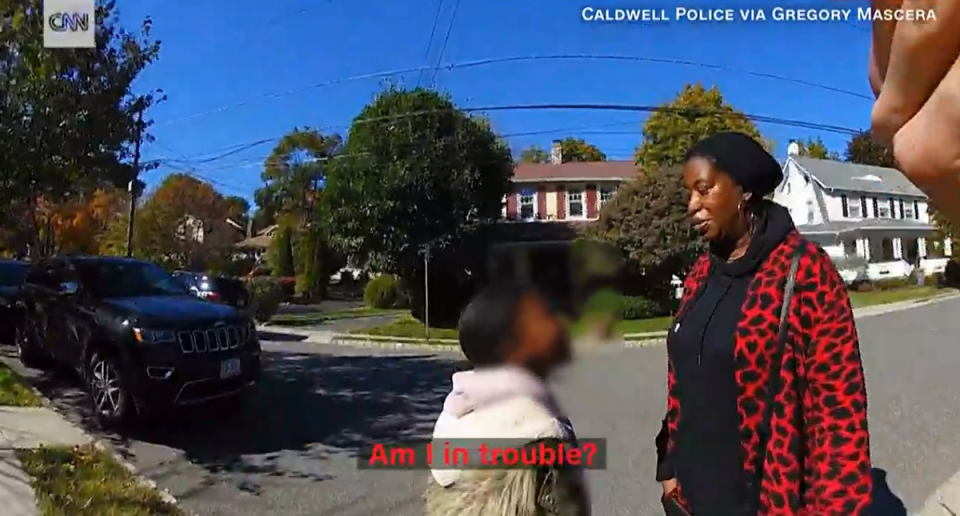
(774, 379)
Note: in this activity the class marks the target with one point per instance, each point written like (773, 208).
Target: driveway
(297, 454)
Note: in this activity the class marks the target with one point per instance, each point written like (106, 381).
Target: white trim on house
(581, 194)
(536, 211)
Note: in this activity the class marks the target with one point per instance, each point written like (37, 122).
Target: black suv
(142, 343)
(11, 279)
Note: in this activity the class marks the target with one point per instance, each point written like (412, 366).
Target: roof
(575, 171)
(844, 226)
(257, 242)
(838, 175)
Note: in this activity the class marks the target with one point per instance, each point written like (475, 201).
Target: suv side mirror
(69, 288)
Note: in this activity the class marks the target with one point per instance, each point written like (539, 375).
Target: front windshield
(12, 274)
(128, 279)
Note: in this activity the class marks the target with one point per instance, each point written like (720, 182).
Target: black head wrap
(743, 159)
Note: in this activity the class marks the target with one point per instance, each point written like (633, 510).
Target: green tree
(295, 173)
(864, 150)
(280, 257)
(577, 150)
(68, 117)
(815, 148)
(238, 209)
(647, 219)
(534, 154)
(695, 113)
(418, 173)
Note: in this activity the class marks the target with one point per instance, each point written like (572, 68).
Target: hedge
(266, 294)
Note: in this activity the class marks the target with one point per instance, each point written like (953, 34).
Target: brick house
(558, 191)
(542, 215)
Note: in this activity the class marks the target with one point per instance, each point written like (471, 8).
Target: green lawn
(83, 480)
(882, 297)
(410, 327)
(316, 318)
(14, 391)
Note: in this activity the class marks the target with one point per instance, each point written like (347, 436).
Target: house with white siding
(862, 213)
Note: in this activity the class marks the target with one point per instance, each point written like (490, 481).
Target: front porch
(876, 254)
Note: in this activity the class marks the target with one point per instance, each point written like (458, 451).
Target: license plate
(229, 368)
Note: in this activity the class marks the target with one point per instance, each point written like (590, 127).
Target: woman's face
(714, 204)
(541, 335)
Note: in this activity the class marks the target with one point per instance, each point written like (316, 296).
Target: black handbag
(774, 385)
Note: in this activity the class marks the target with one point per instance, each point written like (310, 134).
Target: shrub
(636, 307)
(266, 294)
(382, 291)
(951, 274)
(892, 283)
(609, 302)
(288, 287)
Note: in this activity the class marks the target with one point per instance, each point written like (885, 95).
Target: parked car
(141, 342)
(230, 291)
(12, 273)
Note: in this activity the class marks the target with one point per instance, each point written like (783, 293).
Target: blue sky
(239, 71)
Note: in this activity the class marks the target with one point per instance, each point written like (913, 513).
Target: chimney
(556, 153)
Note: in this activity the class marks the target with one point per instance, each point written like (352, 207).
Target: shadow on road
(310, 408)
(885, 502)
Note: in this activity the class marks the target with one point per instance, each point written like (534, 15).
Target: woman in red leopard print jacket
(722, 346)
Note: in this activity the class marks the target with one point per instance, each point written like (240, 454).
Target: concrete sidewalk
(23, 428)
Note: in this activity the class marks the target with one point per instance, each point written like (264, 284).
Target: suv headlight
(148, 336)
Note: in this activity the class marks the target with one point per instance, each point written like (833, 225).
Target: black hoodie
(708, 457)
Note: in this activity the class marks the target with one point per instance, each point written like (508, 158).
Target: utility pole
(132, 185)
(426, 292)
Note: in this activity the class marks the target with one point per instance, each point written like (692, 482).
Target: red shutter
(542, 203)
(591, 201)
(561, 202)
(512, 200)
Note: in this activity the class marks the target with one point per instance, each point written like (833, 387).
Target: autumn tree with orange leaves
(181, 224)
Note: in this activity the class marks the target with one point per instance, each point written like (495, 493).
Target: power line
(518, 59)
(693, 113)
(446, 39)
(433, 32)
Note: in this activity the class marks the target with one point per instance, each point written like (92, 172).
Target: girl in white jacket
(513, 342)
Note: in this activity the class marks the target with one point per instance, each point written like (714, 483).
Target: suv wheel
(112, 403)
(27, 350)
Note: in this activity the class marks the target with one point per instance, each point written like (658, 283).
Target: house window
(527, 206)
(810, 212)
(916, 210)
(886, 250)
(854, 210)
(908, 210)
(575, 204)
(845, 206)
(863, 208)
(883, 210)
(605, 196)
(849, 248)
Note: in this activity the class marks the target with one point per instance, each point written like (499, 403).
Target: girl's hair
(488, 324)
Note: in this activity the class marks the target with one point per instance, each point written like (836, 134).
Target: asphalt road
(296, 453)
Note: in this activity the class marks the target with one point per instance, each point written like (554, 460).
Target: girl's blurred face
(542, 341)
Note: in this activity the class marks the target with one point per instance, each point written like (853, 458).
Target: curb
(630, 340)
(104, 447)
(165, 495)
